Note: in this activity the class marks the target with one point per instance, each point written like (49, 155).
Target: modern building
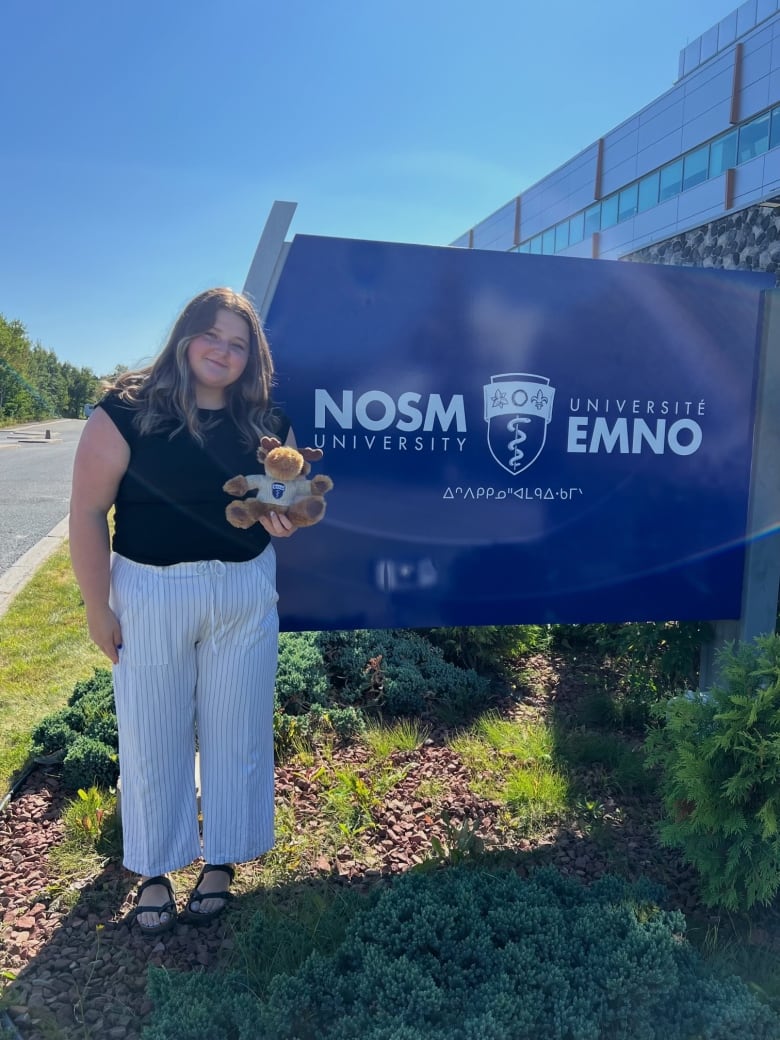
(693, 178)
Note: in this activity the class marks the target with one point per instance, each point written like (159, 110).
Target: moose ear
(311, 454)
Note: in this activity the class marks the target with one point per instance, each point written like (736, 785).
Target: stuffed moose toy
(283, 488)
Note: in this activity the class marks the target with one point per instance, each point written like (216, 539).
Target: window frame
(669, 192)
(728, 140)
(654, 176)
(690, 180)
(577, 227)
(758, 121)
(592, 218)
(609, 211)
(630, 211)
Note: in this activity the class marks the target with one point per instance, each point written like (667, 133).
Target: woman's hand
(278, 525)
(104, 631)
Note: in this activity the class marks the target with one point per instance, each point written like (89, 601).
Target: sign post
(761, 579)
(269, 258)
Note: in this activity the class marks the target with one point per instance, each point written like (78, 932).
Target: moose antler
(311, 454)
(267, 444)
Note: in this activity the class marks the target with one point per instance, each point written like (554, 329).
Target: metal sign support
(269, 257)
(762, 554)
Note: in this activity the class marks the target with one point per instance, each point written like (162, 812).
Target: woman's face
(218, 357)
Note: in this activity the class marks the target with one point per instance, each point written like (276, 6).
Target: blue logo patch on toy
(277, 490)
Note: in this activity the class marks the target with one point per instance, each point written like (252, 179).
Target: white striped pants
(199, 651)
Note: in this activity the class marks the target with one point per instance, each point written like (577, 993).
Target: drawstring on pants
(216, 569)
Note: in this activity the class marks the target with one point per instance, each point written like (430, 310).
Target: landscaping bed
(81, 971)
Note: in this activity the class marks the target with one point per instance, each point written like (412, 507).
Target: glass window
(723, 153)
(753, 138)
(696, 167)
(561, 235)
(592, 218)
(548, 241)
(525, 247)
(627, 203)
(609, 211)
(536, 244)
(576, 229)
(774, 135)
(671, 180)
(648, 192)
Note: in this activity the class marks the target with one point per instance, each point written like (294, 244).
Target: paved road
(34, 483)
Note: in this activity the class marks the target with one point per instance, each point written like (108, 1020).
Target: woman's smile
(218, 357)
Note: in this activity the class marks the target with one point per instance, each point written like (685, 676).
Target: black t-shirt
(170, 506)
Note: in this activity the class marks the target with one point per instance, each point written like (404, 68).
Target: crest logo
(518, 407)
(277, 490)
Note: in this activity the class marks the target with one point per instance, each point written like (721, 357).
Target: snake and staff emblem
(518, 407)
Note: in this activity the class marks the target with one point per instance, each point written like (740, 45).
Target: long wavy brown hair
(164, 390)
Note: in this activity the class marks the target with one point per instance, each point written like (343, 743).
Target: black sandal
(169, 908)
(201, 916)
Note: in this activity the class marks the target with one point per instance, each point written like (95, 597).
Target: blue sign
(515, 439)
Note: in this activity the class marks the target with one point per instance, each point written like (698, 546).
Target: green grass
(352, 797)
(536, 795)
(44, 651)
(283, 927)
(293, 856)
(91, 837)
(727, 945)
(512, 762)
(622, 763)
(531, 743)
(404, 735)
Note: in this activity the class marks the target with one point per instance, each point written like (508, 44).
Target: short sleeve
(121, 414)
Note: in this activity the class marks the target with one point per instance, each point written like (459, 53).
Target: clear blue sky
(143, 143)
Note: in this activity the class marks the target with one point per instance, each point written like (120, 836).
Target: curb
(17, 576)
(30, 433)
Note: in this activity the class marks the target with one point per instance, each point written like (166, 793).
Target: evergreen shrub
(90, 712)
(89, 763)
(317, 723)
(85, 733)
(301, 678)
(56, 731)
(400, 672)
(488, 648)
(304, 706)
(647, 661)
(719, 760)
(98, 688)
(103, 727)
(471, 954)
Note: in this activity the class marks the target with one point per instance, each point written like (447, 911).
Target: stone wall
(748, 240)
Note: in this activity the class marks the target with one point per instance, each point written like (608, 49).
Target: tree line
(35, 384)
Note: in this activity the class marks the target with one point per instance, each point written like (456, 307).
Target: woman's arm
(102, 458)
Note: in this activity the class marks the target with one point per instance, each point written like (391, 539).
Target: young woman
(185, 605)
